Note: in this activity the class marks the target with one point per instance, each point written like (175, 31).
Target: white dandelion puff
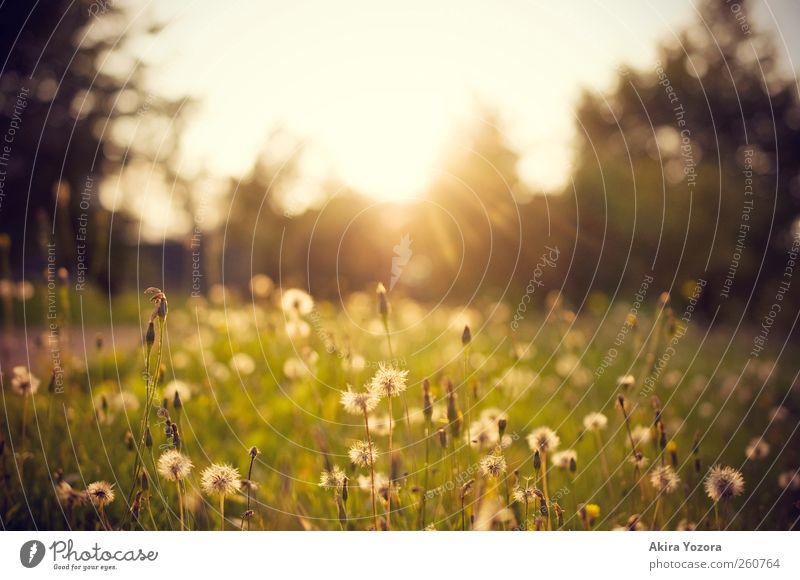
(100, 493)
(23, 383)
(362, 454)
(220, 479)
(388, 381)
(174, 465)
(723, 482)
(493, 465)
(664, 479)
(333, 479)
(543, 439)
(595, 422)
(358, 403)
(296, 302)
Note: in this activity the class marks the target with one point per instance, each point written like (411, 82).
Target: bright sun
(386, 121)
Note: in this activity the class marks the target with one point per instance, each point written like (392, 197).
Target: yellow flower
(592, 511)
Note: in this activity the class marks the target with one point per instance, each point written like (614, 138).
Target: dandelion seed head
(388, 381)
(641, 435)
(639, 460)
(485, 434)
(297, 328)
(493, 465)
(562, 459)
(296, 302)
(524, 494)
(358, 403)
(757, 449)
(100, 493)
(664, 479)
(790, 480)
(220, 479)
(595, 422)
(543, 439)
(23, 383)
(723, 482)
(243, 363)
(362, 454)
(174, 465)
(333, 479)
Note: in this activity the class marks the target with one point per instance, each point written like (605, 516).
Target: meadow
(275, 411)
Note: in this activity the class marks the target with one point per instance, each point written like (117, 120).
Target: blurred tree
(660, 172)
(71, 94)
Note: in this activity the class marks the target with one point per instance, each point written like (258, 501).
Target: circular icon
(31, 553)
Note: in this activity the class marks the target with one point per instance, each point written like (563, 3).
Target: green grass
(549, 372)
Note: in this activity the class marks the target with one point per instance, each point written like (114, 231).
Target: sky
(374, 90)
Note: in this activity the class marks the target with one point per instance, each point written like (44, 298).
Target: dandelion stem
(180, 502)
(371, 472)
(544, 487)
(655, 511)
(222, 512)
(526, 515)
(24, 419)
(389, 491)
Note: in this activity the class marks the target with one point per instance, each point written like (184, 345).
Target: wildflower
(466, 336)
(388, 381)
(588, 513)
(100, 493)
(723, 483)
(543, 439)
(23, 382)
(174, 465)
(362, 453)
(664, 479)
(757, 449)
(672, 450)
(333, 479)
(493, 465)
(220, 479)
(595, 422)
(564, 459)
(296, 302)
(358, 403)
